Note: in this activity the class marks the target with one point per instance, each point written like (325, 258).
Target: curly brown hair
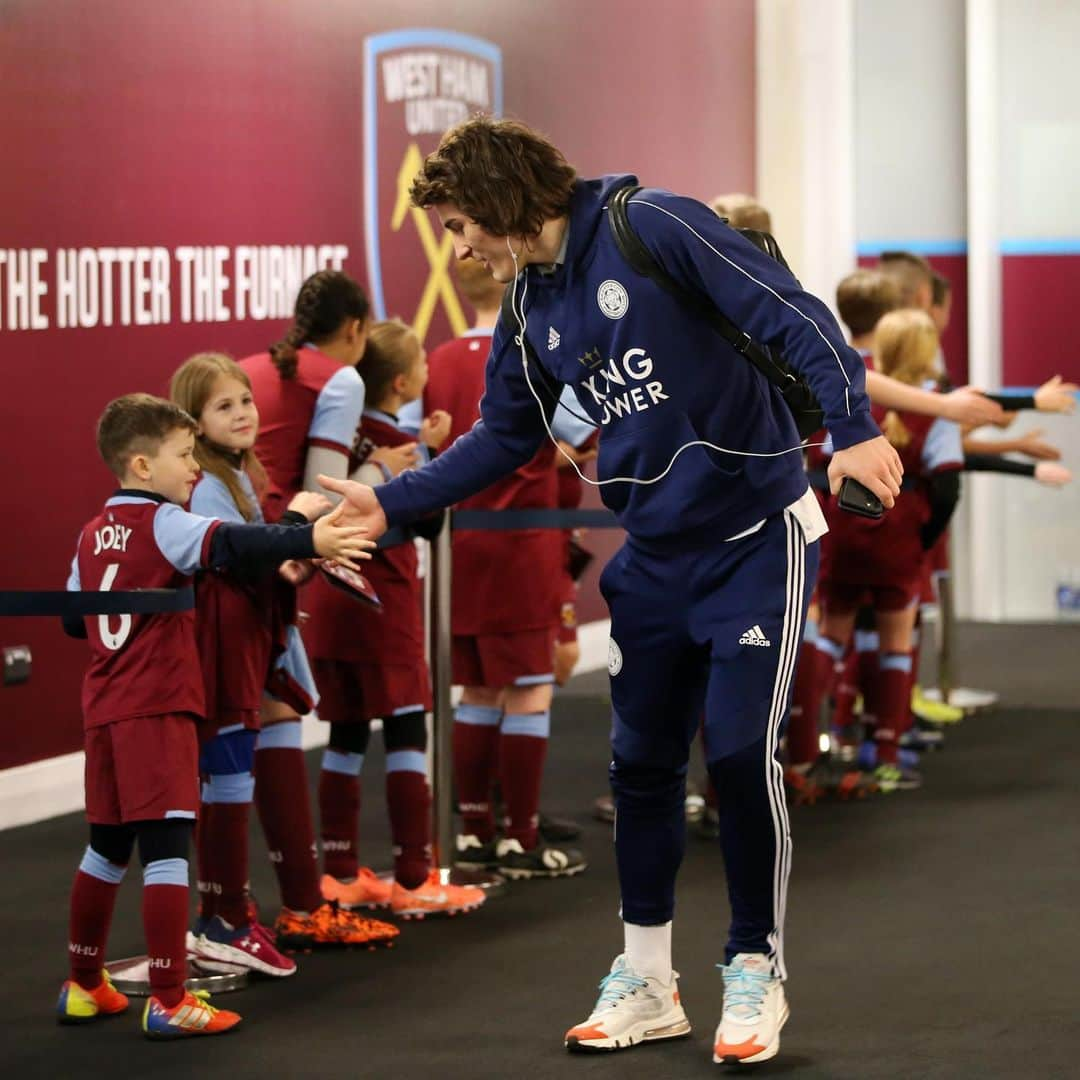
(508, 178)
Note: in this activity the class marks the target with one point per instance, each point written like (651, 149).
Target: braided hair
(324, 302)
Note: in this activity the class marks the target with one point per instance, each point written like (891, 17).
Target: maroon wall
(1038, 298)
(130, 124)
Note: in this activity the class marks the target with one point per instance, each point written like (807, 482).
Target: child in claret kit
(143, 697)
(240, 632)
(369, 664)
(886, 557)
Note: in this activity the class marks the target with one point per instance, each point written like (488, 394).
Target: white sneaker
(631, 1009)
(755, 1010)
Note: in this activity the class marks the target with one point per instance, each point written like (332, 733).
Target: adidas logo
(754, 636)
(553, 339)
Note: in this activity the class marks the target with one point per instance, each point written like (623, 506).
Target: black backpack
(794, 389)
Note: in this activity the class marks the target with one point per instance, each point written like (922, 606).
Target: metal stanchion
(946, 634)
(962, 697)
(442, 795)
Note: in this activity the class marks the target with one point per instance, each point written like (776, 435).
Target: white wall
(1038, 69)
(945, 127)
(909, 123)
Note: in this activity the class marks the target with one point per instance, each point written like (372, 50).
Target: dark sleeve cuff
(394, 502)
(1013, 402)
(998, 464)
(853, 429)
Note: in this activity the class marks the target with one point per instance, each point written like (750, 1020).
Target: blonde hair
(742, 211)
(191, 387)
(392, 348)
(905, 345)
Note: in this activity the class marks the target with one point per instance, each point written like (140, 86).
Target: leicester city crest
(417, 83)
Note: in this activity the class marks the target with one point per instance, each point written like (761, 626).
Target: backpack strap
(634, 251)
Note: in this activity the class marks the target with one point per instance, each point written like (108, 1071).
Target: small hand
(571, 455)
(310, 503)
(396, 458)
(297, 571)
(1052, 474)
(359, 505)
(435, 429)
(338, 538)
(874, 463)
(1035, 446)
(1056, 396)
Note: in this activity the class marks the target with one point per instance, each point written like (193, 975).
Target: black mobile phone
(856, 498)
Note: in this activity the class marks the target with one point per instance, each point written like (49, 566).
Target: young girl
(241, 631)
(885, 558)
(370, 664)
(310, 398)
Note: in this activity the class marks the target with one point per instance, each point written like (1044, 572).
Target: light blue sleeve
(410, 416)
(74, 583)
(943, 447)
(181, 536)
(211, 499)
(570, 424)
(338, 408)
(294, 661)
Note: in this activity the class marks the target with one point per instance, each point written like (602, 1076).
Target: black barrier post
(442, 741)
(442, 734)
(946, 634)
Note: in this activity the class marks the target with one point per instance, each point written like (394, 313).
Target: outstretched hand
(1033, 445)
(342, 540)
(1056, 395)
(358, 505)
(1052, 474)
(874, 463)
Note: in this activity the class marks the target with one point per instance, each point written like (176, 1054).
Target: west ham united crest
(417, 83)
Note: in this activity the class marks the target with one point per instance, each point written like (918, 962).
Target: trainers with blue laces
(631, 1009)
(755, 1010)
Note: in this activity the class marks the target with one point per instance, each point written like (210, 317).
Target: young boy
(142, 696)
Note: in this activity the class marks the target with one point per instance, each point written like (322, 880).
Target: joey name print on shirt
(111, 538)
(622, 387)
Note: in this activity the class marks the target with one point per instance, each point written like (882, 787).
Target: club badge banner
(417, 83)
